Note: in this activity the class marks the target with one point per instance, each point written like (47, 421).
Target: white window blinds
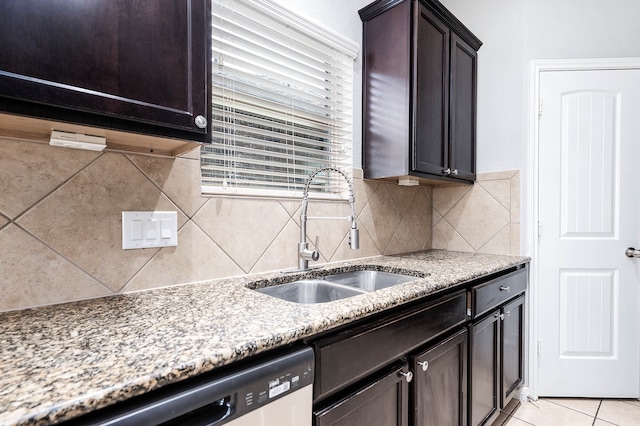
(282, 102)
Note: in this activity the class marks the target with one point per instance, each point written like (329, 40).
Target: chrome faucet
(304, 253)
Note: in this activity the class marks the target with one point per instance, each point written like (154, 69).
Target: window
(282, 102)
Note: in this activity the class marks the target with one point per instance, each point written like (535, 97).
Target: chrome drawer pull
(503, 288)
(408, 375)
(424, 365)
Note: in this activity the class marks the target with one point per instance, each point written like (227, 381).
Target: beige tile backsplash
(60, 223)
(483, 218)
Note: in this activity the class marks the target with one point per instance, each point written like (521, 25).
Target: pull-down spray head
(304, 254)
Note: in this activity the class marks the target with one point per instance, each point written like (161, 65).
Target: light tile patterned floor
(576, 412)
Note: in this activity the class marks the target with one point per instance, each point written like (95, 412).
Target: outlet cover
(142, 229)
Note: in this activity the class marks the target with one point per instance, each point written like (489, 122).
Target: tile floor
(576, 412)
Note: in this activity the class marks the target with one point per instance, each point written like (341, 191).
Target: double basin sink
(336, 287)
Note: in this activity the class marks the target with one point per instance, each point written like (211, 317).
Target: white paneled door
(589, 211)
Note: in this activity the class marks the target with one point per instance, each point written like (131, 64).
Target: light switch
(136, 230)
(152, 229)
(142, 229)
(166, 227)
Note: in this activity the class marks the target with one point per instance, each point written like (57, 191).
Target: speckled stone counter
(62, 361)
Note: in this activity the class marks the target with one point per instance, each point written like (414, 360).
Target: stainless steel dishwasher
(275, 391)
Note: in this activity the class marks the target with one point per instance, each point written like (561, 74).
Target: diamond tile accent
(444, 198)
(364, 189)
(499, 244)
(196, 258)
(34, 275)
(367, 248)
(437, 217)
(419, 218)
(3, 221)
(500, 190)
(29, 171)
(291, 206)
(403, 240)
(82, 220)
(476, 228)
(477, 216)
(243, 228)
(381, 217)
(283, 252)
(403, 195)
(446, 238)
(176, 177)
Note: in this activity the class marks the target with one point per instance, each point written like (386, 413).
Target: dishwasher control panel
(281, 378)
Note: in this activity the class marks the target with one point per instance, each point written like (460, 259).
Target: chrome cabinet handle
(499, 315)
(454, 172)
(408, 375)
(424, 365)
(631, 252)
(507, 289)
(446, 172)
(508, 314)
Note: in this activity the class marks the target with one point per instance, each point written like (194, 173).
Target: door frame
(536, 68)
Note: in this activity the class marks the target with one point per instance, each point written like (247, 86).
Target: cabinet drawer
(489, 295)
(383, 402)
(346, 357)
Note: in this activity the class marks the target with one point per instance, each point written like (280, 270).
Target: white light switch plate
(149, 229)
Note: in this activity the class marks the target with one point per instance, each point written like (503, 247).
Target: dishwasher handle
(228, 410)
(209, 415)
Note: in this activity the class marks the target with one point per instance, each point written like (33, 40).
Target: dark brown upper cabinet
(134, 66)
(419, 92)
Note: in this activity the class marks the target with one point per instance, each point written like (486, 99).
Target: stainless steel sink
(370, 280)
(310, 291)
(335, 287)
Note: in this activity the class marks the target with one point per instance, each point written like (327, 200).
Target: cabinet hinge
(540, 107)
(539, 348)
(539, 228)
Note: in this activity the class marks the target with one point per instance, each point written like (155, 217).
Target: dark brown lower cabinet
(455, 360)
(496, 363)
(436, 392)
(440, 383)
(484, 364)
(384, 402)
(512, 350)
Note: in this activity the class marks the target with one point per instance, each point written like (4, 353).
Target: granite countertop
(58, 362)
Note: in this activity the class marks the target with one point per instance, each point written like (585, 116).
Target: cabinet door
(142, 62)
(484, 364)
(384, 402)
(512, 348)
(440, 384)
(431, 93)
(463, 110)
